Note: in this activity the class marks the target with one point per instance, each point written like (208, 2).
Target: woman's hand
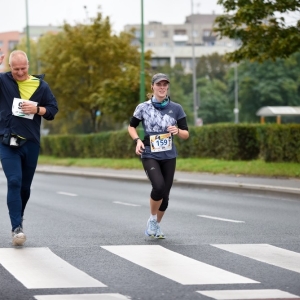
(140, 148)
(173, 130)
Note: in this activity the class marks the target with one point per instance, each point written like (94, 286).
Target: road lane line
(176, 266)
(247, 294)
(40, 268)
(67, 194)
(220, 219)
(269, 254)
(124, 203)
(82, 297)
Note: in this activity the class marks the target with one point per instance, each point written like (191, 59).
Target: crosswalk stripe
(266, 253)
(247, 294)
(176, 266)
(82, 297)
(39, 268)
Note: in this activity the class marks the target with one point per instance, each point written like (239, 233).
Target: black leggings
(161, 175)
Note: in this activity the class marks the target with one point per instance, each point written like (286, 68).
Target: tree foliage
(91, 71)
(267, 84)
(262, 27)
(212, 66)
(215, 106)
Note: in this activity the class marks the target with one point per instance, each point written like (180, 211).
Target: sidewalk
(262, 185)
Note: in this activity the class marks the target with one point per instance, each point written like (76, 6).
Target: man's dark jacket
(30, 129)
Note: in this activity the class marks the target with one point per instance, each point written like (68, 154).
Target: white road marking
(266, 253)
(176, 266)
(40, 268)
(220, 219)
(123, 203)
(67, 194)
(82, 297)
(247, 294)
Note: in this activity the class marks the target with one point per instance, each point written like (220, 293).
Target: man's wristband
(135, 140)
(37, 109)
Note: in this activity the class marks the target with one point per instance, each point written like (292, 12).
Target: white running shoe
(151, 228)
(159, 234)
(18, 237)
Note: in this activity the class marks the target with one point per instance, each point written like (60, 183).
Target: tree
(262, 28)
(212, 66)
(214, 104)
(84, 63)
(267, 84)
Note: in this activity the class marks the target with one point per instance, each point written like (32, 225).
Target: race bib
(161, 142)
(17, 110)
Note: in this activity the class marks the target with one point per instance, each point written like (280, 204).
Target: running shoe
(18, 237)
(151, 228)
(159, 234)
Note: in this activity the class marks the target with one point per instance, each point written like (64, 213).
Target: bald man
(25, 99)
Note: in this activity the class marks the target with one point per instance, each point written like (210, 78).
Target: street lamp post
(194, 68)
(27, 34)
(236, 95)
(142, 74)
(236, 88)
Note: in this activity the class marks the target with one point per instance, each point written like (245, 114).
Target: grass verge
(214, 166)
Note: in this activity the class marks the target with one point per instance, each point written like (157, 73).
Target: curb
(231, 186)
(243, 187)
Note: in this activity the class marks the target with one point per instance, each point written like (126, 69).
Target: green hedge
(222, 141)
(279, 143)
(115, 144)
(226, 141)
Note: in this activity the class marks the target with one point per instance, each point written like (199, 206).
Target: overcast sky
(120, 12)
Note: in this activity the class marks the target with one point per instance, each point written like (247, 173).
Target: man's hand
(28, 108)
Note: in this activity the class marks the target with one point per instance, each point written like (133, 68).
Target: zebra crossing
(82, 297)
(43, 269)
(176, 266)
(266, 253)
(247, 294)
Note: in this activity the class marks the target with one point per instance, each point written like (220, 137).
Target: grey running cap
(160, 77)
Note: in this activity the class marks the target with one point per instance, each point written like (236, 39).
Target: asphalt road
(86, 241)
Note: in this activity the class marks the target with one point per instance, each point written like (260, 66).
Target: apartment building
(10, 39)
(174, 43)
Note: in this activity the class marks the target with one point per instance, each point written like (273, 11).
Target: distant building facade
(35, 32)
(173, 44)
(10, 39)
